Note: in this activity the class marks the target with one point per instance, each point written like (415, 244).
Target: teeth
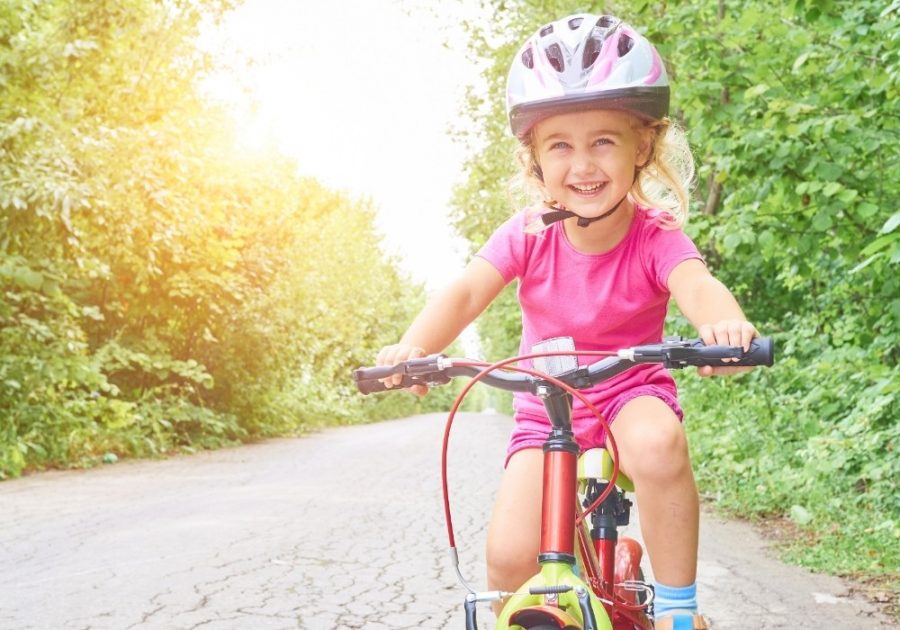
(587, 189)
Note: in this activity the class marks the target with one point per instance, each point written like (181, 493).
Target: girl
(597, 261)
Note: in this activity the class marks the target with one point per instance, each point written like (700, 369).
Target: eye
(559, 146)
(602, 141)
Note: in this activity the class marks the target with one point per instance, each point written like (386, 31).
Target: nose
(582, 164)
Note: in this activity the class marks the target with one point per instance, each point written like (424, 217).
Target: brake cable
(504, 364)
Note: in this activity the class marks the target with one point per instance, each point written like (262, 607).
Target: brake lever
(680, 357)
(655, 353)
(677, 352)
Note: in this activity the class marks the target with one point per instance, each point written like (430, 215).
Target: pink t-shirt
(607, 301)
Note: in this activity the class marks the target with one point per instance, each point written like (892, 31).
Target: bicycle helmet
(581, 62)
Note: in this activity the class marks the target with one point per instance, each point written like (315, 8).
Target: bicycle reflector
(558, 365)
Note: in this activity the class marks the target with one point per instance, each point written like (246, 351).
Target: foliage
(792, 112)
(162, 291)
(814, 447)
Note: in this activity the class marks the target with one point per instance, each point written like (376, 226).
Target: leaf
(891, 224)
(28, 278)
(867, 209)
(831, 189)
(829, 171)
(756, 90)
(868, 261)
(732, 240)
(847, 195)
(92, 312)
(878, 244)
(800, 61)
(800, 515)
(822, 221)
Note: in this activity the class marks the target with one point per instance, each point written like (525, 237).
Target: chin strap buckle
(558, 214)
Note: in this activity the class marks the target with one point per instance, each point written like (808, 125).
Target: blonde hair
(663, 183)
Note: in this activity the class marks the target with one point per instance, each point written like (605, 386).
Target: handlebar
(673, 353)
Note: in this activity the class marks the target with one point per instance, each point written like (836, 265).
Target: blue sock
(674, 599)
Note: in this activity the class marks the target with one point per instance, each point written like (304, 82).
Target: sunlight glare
(362, 95)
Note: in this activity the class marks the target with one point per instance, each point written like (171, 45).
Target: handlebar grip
(761, 352)
(370, 387)
(373, 386)
(419, 371)
(376, 373)
(368, 379)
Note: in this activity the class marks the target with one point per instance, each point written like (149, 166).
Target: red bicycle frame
(608, 562)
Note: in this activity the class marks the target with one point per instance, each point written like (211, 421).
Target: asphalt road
(342, 529)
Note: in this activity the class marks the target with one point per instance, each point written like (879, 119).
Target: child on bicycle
(596, 260)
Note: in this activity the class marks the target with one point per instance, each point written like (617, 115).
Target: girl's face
(589, 158)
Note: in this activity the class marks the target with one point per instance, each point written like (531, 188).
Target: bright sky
(362, 93)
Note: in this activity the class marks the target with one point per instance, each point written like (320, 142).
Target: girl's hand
(392, 355)
(728, 332)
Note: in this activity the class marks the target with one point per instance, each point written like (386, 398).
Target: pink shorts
(531, 431)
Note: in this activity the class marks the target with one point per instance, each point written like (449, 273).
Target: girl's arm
(712, 309)
(445, 316)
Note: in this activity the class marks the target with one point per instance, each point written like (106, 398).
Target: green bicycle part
(553, 574)
(597, 463)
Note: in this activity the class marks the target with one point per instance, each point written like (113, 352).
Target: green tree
(792, 113)
(161, 290)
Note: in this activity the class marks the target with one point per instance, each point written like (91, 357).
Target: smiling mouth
(587, 189)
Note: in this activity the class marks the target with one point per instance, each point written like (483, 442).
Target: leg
(653, 452)
(514, 535)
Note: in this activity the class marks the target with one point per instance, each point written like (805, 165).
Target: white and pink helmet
(583, 62)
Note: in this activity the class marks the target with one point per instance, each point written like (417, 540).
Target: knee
(660, 455)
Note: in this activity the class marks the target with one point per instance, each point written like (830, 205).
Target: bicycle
(602, 586)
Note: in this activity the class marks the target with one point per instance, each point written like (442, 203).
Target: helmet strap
(560, 214)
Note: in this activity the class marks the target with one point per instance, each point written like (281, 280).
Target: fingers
(707, 334)
(708, 370)
(397, 353)
(748, 333)
(728, 332)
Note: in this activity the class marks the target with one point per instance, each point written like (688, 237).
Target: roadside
(882, 591)
(340, 529)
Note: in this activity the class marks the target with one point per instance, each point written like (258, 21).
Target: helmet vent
(528, 58)
(625, 44)
(591, 52)
(606, 21)
(574, 23)
(554, 55)
(546, 30)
